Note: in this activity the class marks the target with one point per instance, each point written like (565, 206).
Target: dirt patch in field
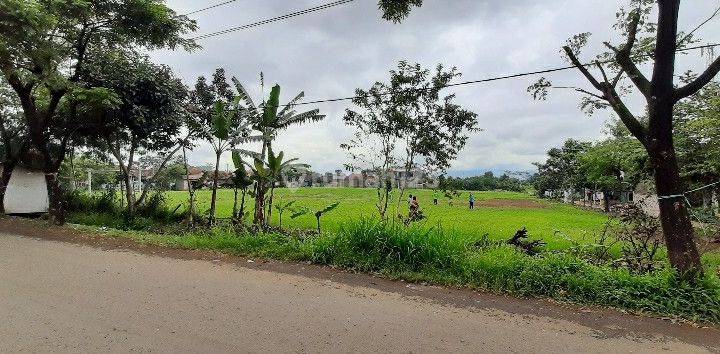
(511, 203)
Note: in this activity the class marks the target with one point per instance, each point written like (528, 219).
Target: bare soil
(511, 203)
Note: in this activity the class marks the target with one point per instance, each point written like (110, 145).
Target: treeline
(487, 182)
(619, 162)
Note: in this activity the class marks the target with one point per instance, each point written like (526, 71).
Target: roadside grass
(434, 255)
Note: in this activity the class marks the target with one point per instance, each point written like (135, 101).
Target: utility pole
(89, 181)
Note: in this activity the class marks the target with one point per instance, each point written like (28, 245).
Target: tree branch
(612, 97)
(624, 59)
(582, 68)
(634, 126)
(689, 35)
(702, 80)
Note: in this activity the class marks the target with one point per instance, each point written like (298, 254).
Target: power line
(209, 7)
(274, 19)
(496, 78)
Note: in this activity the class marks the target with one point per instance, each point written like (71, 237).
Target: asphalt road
(61, 297)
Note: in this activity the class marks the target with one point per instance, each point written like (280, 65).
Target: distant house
(26, 192)
(195, 176)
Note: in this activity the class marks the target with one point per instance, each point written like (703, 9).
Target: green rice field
(498, 214)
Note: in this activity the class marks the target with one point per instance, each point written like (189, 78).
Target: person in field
(472, 201)
(414, 205)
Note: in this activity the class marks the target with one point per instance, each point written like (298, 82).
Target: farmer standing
(472, 201)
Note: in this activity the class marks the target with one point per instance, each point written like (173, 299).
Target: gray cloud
(328, 54)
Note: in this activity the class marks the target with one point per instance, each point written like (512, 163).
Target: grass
(455, 246)
(499, 222)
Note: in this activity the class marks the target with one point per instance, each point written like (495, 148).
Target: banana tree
(241, 182)
(320, 213)
(281, 208)
(268, 120)
(277, 168)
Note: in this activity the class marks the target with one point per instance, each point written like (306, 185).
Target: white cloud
(328, 54)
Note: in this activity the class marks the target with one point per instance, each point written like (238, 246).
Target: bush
(390, 248)
(80, 201)
(371, 245)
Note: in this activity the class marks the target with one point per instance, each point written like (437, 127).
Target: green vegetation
(499, 214)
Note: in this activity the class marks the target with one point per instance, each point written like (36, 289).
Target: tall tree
(433, 128)
(43, 50)
(268, 120)
(148, 115)
(657, 42)
(408, 112)
(373, 145)
(218, 119)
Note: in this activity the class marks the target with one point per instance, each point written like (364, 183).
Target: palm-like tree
(241, 181)
(277, 168)
(268, 119)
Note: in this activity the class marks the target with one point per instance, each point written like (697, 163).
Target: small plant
(320, 213)
(281, 208)
(640, 237)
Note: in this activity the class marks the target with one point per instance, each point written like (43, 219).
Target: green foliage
(397, 10)
(319, 214)
(221, 121)
(486, 182)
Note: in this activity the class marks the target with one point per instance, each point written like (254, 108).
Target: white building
(26, 192)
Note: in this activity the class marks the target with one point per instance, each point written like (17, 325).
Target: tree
(697, 140)
(43, 50)
(433, 128)
(612, 165)
(218, 119)
(13, 137)
(277, 168)
(409, 111)
(561, 171)
(241, 181)
(374, 141)
(147, 115)
(268, 120)
(397, 10)
(658, 43)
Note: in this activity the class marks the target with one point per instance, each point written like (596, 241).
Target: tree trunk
(259, 218)
(55, 198)
(242, 205)
(606, 201)
(129, 194)
(191, 213)
(270, 203)
(7, 170)
(234, 211)
(674, 216)
(213, 200)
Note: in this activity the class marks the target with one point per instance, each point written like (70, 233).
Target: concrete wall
(26, 193)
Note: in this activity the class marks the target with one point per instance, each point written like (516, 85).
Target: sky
(328, 54)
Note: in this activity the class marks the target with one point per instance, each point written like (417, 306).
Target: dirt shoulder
(606, 323)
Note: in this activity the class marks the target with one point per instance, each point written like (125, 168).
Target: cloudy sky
(328, 54)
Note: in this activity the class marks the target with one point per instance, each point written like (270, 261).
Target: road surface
(60, 297)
